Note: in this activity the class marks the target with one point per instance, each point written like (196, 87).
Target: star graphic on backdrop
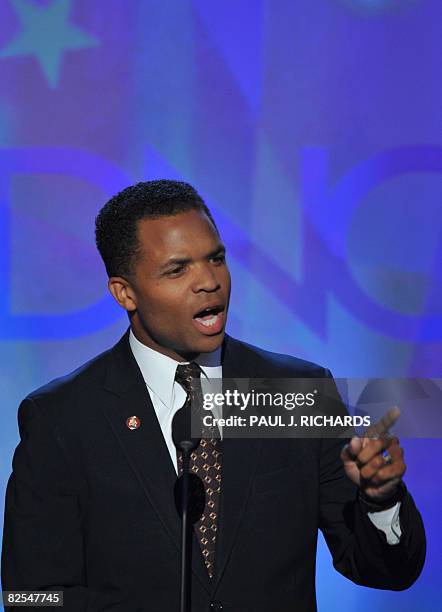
(46, 34)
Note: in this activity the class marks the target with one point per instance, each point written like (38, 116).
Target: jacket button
(216, 606)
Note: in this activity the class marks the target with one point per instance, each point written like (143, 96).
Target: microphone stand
(186, 540)
(186, 444)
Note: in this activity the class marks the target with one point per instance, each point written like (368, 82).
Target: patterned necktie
(205, 462)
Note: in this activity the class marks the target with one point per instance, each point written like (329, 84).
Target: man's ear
(123, 292)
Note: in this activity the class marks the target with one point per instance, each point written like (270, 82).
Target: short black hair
(116, 223)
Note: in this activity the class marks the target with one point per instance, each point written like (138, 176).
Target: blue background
(314, 132)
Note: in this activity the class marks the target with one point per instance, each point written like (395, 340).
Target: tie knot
(186, 373)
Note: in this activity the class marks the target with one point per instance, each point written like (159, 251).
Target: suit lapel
(239, 462)
(144, 447)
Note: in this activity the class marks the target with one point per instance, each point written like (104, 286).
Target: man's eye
(175, 271)
(219, 259)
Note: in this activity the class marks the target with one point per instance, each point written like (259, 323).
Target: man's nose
(206, 279)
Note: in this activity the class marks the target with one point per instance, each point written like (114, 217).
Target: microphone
(196, 495)
(181, 434)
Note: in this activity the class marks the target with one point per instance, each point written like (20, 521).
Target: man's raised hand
(375, 461)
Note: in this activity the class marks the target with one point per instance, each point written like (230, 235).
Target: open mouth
(210, 320)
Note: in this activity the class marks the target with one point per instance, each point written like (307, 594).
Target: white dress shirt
(168, 396)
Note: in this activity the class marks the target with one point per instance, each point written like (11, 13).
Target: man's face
(181, 272)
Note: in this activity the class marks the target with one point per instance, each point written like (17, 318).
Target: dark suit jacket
(90, 507)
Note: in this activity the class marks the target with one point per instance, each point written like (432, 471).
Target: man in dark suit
(90, 506)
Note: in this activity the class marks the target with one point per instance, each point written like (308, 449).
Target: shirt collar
(158, 370)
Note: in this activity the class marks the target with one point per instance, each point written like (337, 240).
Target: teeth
(206, 311)
(209, 322)
(214, 311)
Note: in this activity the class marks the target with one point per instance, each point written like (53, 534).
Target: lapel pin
(133, 422)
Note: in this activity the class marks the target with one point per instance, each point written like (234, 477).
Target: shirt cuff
(388, 522)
